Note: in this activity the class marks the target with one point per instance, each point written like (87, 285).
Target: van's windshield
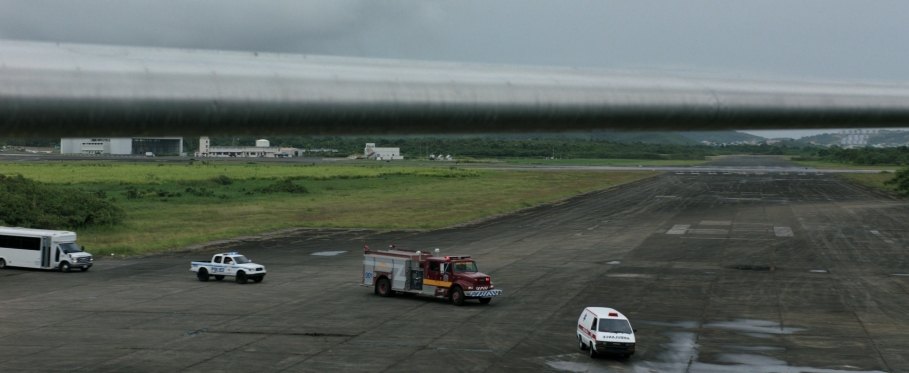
(614, 326)
(70, 247)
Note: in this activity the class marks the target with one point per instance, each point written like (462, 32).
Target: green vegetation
(168, 206)
(841, 166)
(26, 203)
(606, 162)
(883, 181)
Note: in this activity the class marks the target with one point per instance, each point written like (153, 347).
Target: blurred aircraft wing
(49, 89)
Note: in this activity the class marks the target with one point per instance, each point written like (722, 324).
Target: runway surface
(718, 271)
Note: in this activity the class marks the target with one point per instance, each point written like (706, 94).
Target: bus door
(45, 252)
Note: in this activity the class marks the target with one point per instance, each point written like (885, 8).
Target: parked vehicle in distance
(43, 249)
(228, 264)
(603, 330)
(453, 277)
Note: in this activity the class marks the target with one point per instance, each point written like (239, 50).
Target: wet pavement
(719, 272)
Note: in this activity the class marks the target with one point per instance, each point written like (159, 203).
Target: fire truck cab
(453, 277)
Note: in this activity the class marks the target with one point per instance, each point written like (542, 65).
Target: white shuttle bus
(41, 248)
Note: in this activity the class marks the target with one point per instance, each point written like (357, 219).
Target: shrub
(284, 186)
(27, 203)
(222, 180)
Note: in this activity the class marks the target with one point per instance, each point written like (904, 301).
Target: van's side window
(58, 255)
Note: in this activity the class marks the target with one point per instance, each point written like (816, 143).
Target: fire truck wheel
(241, 277)
(383, 287)
(202, 275)
(219, 277)
(485, 300)
(457, 296)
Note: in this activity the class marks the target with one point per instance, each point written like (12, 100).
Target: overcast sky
(855, 40)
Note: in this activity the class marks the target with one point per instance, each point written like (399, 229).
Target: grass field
(843, 166)
(877, 181)
(607, 162)
(172, 205)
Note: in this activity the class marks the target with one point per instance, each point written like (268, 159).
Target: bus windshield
(70, 247)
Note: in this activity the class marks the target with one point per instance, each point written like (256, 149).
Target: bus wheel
(2, 264)
(64, 267)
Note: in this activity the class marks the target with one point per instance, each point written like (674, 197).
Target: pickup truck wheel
(383, 287)
(485, 300)
(219, 277)
(202, 275)
(457, 296)
(241, 277)
(2, 264)
(64, 267)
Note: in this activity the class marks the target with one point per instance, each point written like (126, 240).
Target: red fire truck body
(453, 277)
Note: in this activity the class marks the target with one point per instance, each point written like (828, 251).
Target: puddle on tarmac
(681, 353)
(614, 262)
(753, 326)
(629, 275)
(819, 271)
(328, 253)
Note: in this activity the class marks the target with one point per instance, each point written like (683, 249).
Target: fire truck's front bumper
(483, 293)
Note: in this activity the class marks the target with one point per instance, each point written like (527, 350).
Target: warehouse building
(263, 149)
(122, 146)
(381, 154)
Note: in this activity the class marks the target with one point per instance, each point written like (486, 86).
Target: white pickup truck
(228, 264)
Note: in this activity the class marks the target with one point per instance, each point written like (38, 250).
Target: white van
(40, 248)
(604, 330)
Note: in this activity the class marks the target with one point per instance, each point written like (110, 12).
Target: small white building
(263, 149)
(122, 145)
(381, 154)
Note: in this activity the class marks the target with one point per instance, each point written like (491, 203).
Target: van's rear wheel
(383, 287)
(202, 275)
(2, 264)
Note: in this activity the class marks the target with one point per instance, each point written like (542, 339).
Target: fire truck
(453, 277)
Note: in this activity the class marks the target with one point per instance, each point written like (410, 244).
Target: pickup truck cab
(228, 264)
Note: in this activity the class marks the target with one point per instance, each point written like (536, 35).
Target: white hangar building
(263, 149)
(381, 154)
(122, 145)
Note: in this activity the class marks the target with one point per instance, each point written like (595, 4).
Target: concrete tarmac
(718, 272)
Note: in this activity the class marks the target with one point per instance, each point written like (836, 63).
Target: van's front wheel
(581, 344)
(64, 267)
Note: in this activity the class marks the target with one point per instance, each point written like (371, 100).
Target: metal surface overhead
(49, 89)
